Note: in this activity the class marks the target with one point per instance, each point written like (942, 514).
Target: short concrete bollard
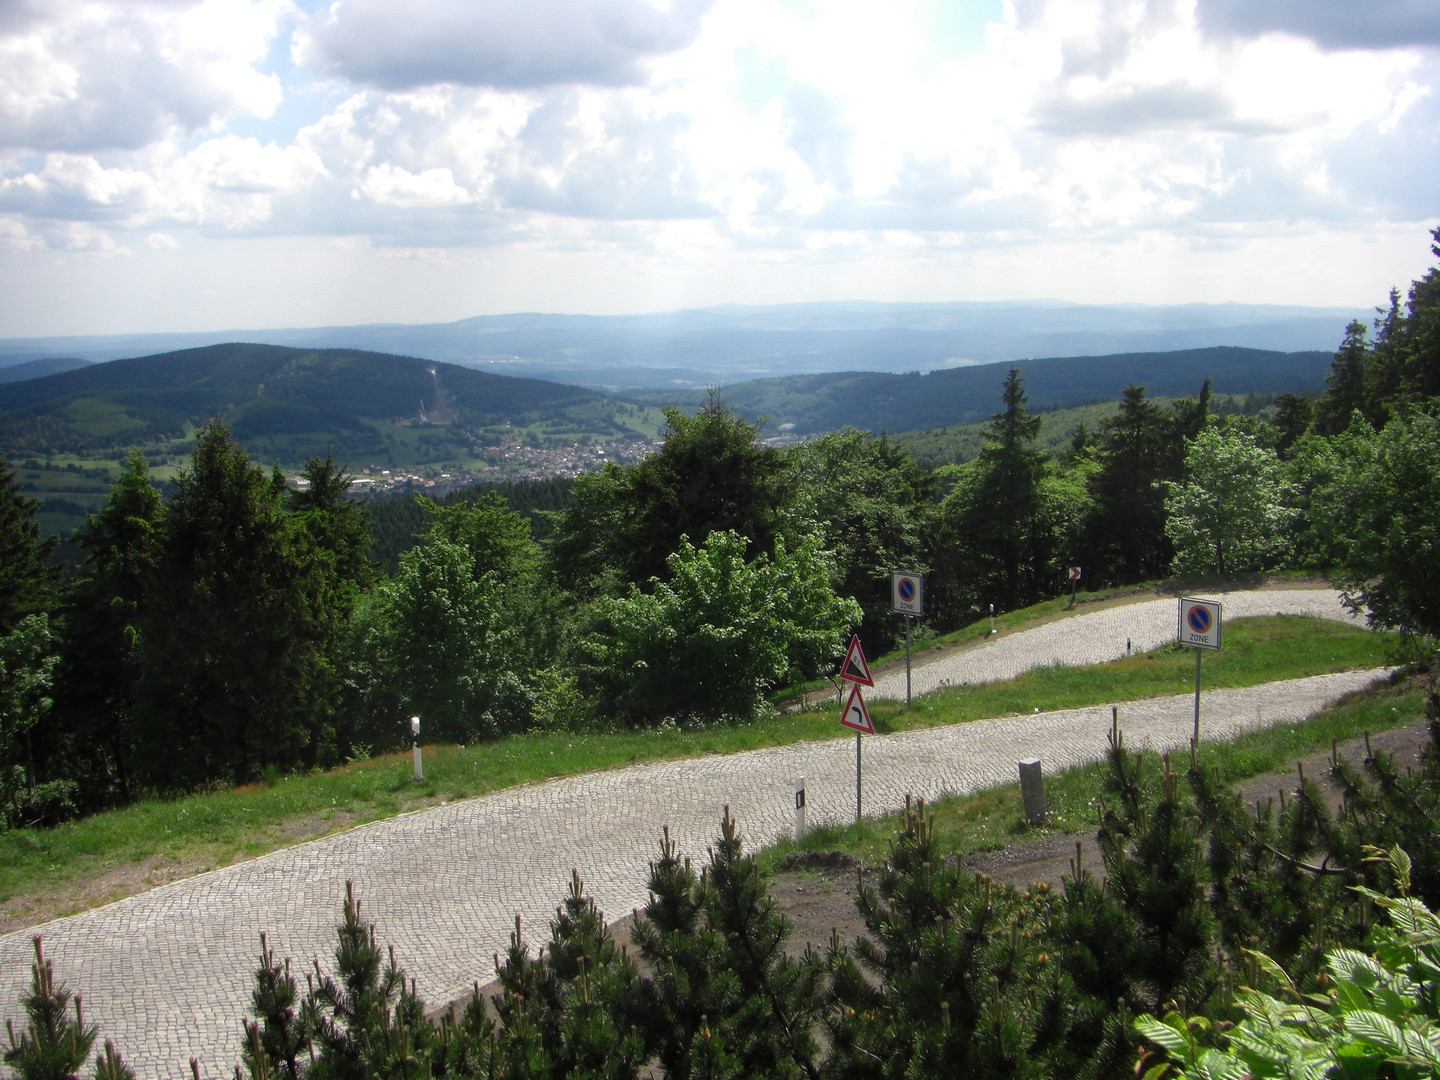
(1032, 792)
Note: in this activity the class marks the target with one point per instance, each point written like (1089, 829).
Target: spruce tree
(232, 641)
(783, 996)
(692, 994)
(100, 649)
(1153, 858)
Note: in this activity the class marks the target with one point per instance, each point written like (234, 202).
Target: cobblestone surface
(167, 973)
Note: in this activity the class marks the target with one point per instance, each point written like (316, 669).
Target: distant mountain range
(725, 345)
(806, 404)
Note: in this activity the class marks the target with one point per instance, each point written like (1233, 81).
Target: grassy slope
(212, 829)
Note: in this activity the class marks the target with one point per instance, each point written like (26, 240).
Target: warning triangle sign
(855, 669)
(856, 715)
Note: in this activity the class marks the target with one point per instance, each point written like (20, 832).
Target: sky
(230, 164)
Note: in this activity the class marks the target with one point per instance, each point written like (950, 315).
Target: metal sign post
(856, 671)
(907, 597)
(1199, 629)
(857, 778)
(909, 619)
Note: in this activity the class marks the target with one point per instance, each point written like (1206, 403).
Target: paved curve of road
(167, 973)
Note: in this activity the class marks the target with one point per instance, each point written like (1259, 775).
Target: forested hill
(874, 401)
(306, 397)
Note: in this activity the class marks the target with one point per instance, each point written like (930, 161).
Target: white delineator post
(415, 747)
(799, 809)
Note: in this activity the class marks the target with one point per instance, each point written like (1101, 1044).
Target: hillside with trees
(289, 404)
(241, 623)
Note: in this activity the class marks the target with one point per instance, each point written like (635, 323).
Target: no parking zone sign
(1199, 623)
(907, 594)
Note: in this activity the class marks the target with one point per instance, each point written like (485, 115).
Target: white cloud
(400, 187)
(85, 75)
(404, 44)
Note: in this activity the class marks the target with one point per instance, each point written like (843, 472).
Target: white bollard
(799, 809)
(415, 747)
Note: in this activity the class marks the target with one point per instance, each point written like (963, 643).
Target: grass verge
(182, 836)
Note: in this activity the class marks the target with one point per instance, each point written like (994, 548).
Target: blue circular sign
(1199, 619)
(907, 590)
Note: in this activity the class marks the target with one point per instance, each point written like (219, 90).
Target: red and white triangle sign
(856, 715)
(855, 669)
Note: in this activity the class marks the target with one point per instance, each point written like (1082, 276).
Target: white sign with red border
(1199, 623)
(856, 715)
(855, 669)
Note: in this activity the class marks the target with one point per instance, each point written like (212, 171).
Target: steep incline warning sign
(855, 669)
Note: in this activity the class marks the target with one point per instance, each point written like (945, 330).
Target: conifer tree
(276, 1040)
(692, 994)
(233, 639)
(366, 1021)
(571, 1010)
(955, 956)
(100, 648)
(1153, 859)
(53, 1045)
(27, 577)
(783, 996)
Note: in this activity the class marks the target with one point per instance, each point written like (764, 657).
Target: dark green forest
(236, 626)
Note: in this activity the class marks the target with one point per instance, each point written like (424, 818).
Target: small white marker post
(415, 747)
(992, 618)
(799, 809)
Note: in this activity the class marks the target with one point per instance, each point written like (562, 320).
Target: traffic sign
(907, 594)
(856, 715)
(1199, 623)
(855, 669)
(1074, 573)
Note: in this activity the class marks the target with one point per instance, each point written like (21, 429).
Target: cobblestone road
(166, 974)
(1093, 638)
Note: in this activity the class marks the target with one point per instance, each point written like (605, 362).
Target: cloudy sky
(218, 164)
